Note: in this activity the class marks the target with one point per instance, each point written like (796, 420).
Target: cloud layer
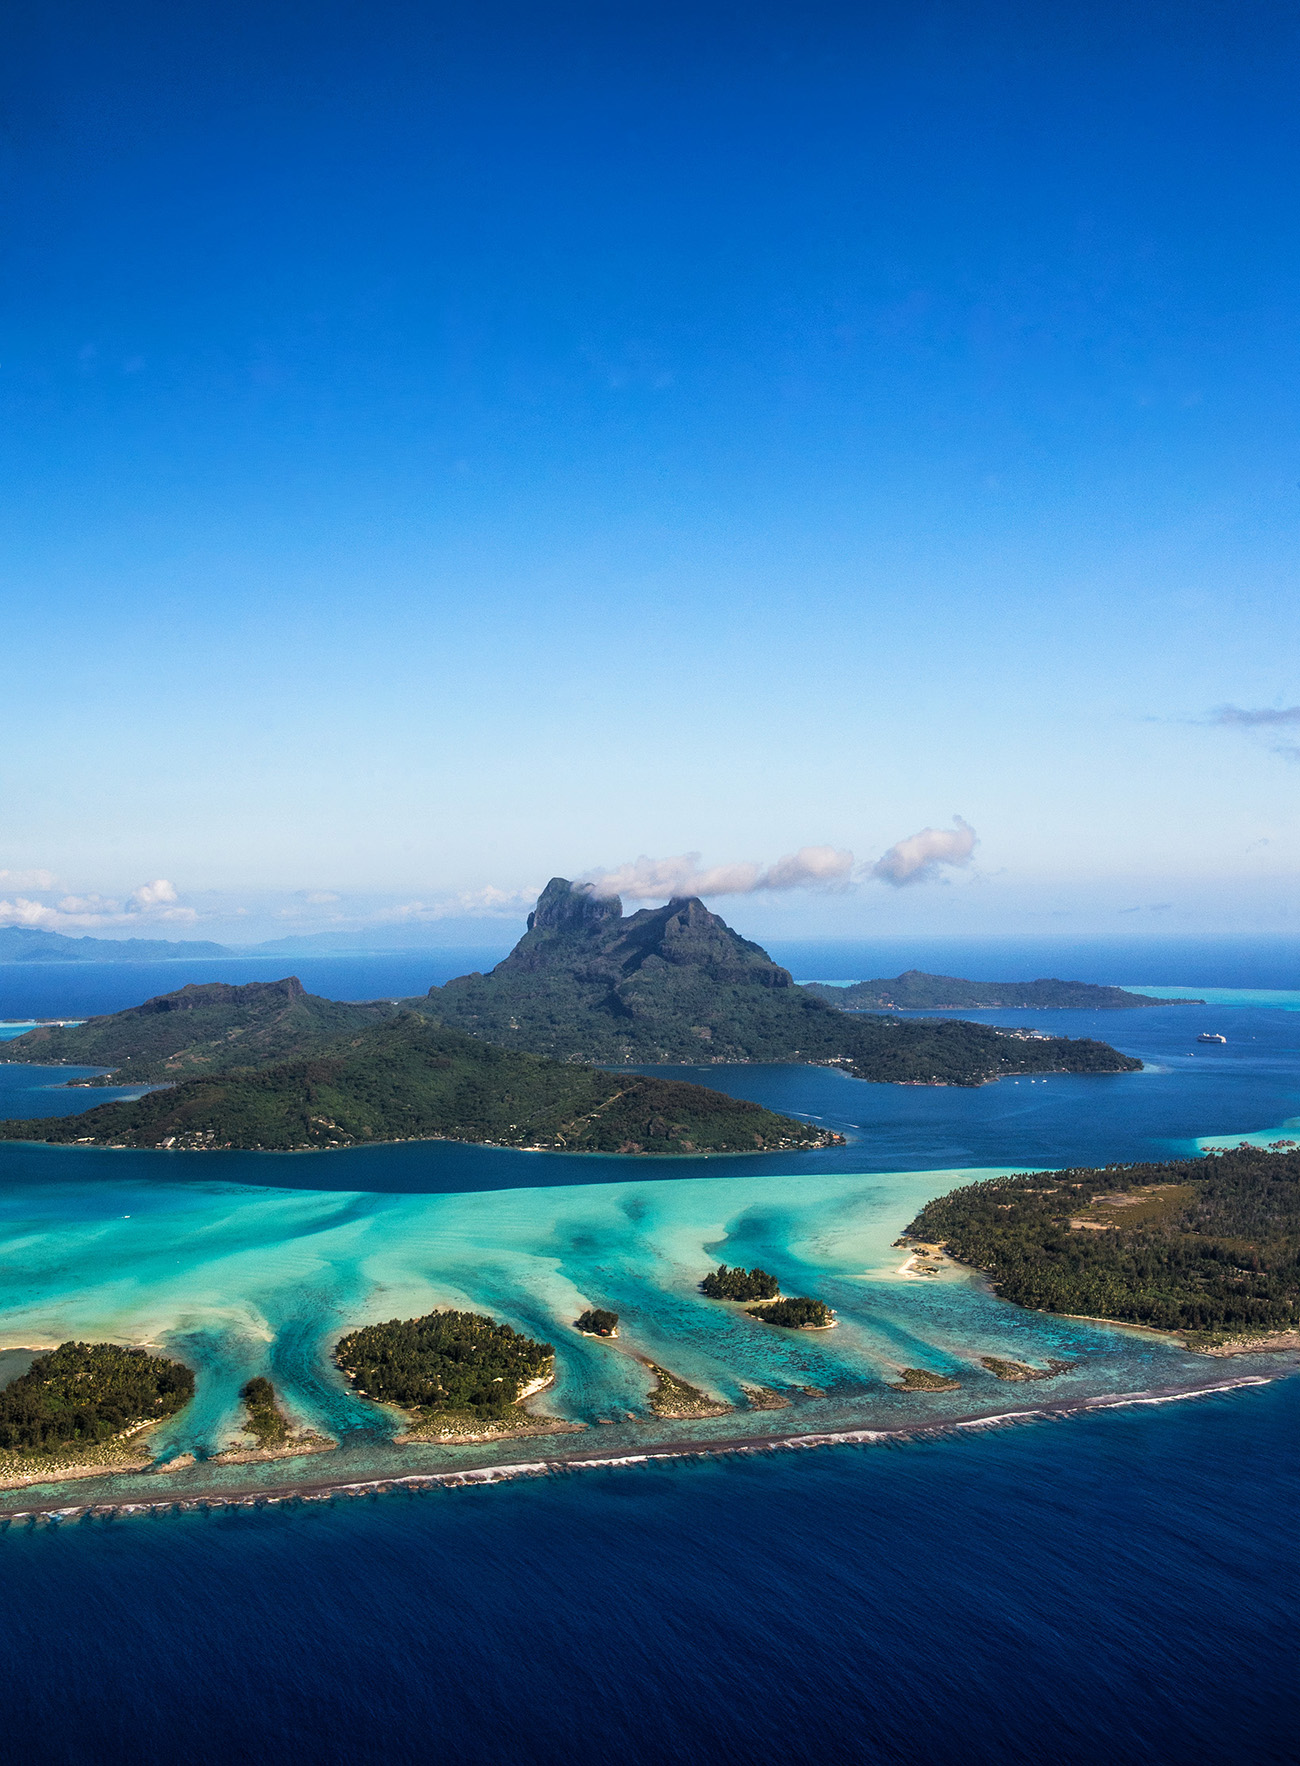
(150, 904)
(659, 879)
(921, 857)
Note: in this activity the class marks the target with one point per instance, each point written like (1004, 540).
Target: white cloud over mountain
(659, 879)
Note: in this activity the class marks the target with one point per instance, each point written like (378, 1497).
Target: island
(1001, 1369)
(84, 1407)
(798, 1313)
(596, 1321)
(517, 1058)
(27, 944)
(740, 1284)
(1208, 1247)
(408, 1079)
(915, 991)
(671, 1396)
(453, 1375)
(273, 1434)
(677, 984)
(920, 1379)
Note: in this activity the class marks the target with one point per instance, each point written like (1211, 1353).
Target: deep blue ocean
(1117, 1587)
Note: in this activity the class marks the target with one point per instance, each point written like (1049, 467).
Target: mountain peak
(571, 907)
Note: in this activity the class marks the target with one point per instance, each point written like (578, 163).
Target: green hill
(915, 991)
(1208, 1245)
(676, 984)
(212, 1028)
(408, 1079)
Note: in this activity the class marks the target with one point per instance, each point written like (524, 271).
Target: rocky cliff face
(573, 929)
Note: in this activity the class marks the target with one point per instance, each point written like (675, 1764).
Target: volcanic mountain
(677, 984)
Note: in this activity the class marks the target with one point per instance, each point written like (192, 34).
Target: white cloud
(160, 893)
(28, 880)
(150, 903)
(319, 897)
(659, 879)
(918, 858)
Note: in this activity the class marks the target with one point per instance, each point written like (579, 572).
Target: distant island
(1208, 1247)
(408, 1079)
(597, 1321)
(24, 944)
(915, 991)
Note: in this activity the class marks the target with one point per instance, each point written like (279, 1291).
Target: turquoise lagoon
(238, 1281)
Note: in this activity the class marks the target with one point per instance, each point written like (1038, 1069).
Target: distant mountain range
(24, 944)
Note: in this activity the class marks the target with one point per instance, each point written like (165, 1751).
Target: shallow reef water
(238, 1281)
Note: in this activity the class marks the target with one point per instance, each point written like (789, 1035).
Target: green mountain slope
(211, 1028)
(409, 1079)
(915, 991)
(677, 984)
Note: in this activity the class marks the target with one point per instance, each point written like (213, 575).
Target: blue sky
(449, 446)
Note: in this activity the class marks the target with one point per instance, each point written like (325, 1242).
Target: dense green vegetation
(740, 1284)
(915, 991)
(408, 1079)
(213, 1028)
(950, 1051)
(677, 984)
(798, 1313)
(263, 1415)
(596, 1321)
(84, 1393)
(445, 1361)
(1200, 1245)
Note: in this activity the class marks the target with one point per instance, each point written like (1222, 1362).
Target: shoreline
(465, 1476)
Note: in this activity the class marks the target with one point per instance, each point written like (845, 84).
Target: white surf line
(1113, 1401)
(486, 1475)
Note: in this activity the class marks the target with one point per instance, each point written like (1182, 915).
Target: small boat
(1211, 1036)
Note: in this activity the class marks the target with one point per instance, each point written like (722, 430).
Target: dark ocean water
(1113, 1589)
(1119, 1587)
